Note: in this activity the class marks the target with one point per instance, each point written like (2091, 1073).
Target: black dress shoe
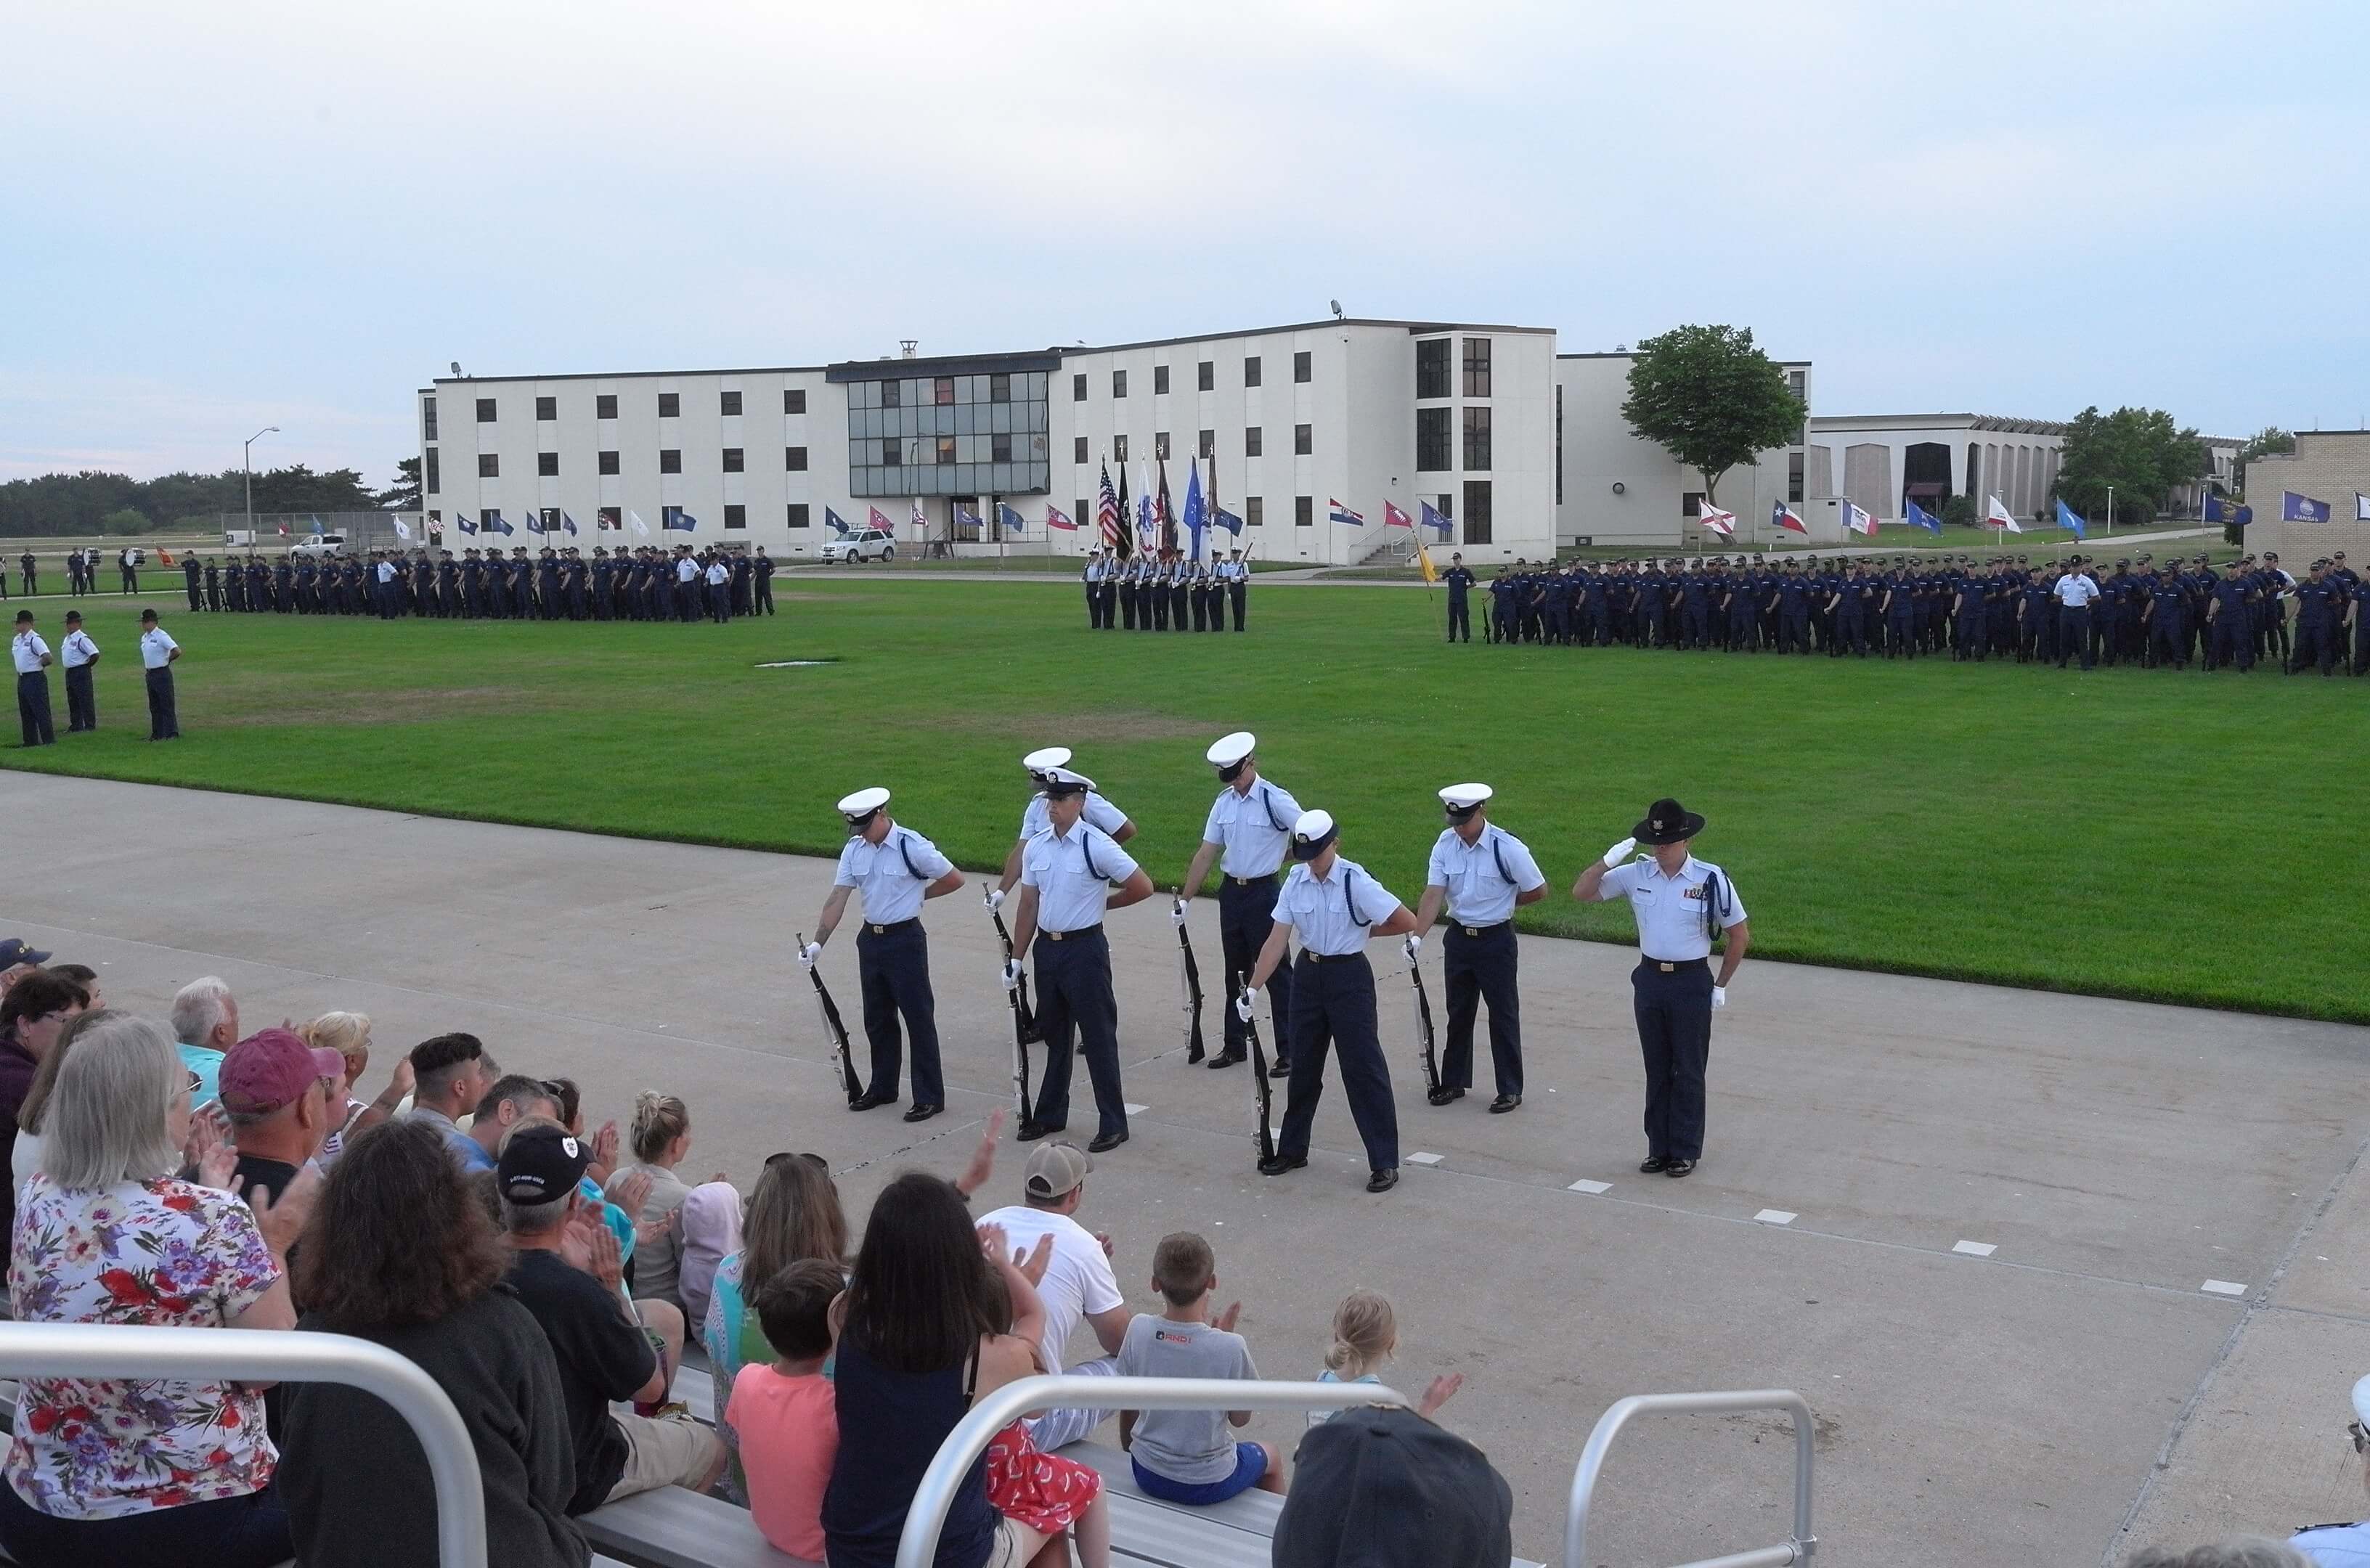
(1504, 1103)
(1030, 1131)
(1281, 1069)
(1652, 1164)
(1445, 1094)
(1104, 1142)
(923, 1112)
(1276, 1165)
(1225, 1059)
(1383, 1181)
(1677, 1168)
(871, 1099)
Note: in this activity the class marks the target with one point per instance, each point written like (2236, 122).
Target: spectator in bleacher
(1078, 1286)
(711, 1230)
(205, 1023)
(510, 1100)
(1382, 1487)
(398, 1252)
(568, 1271)
(1060, 1498)
(659, 1138)
(32, 1015)
(783, 1410)
(129, 1474)
(1365, 1336)
(449, 1076)
(2344, 1545)
(794, 1216)
(603, 1146)
(84, 976)
(16, 954)
(924, 1333)
(1189, 1456)
(348, 1035)
(276, 1090)
(26, 1156)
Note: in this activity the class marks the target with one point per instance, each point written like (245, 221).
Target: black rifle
(1188, 976)
(1260, 1091)
(834, 1029)
(1423, 1032)
(1025, 1015)
(1022, 1028)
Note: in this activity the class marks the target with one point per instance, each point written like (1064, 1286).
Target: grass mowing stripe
(2150, 834)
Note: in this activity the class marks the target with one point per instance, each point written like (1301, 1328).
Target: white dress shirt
(157, 647)
(686, 569)
(387, 571)
(892, 874)
(1670, 909)
(1255, 828)
(1073, 874)
(2075, 591)
(28, 648)
(1331, 915)
(717, 574)
(78, 650)
(1100, 813)
(1477, 875)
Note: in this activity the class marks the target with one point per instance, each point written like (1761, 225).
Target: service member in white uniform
(1482, 873)
(1070, 876)
(158, 652)
(1093, 578)
(1100, 813)
(895, 869)
(1249, 832)
(1680, 902)
(1334, 907)
(686, 592)
(720, 598)
(33, 656)
(81, 661)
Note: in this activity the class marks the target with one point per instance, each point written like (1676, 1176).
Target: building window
(1477, 367)
(893, 453)
(1119, 449)
(485, 410)
(610, 518)
(1250, 369)
(488, 465)
(1691, 504)
(1302, 443)
(547, 407)
(432, 474)
(736, 517)
(670, 405)
(942, 391)
(1080, 510)
(1254, 440)
(730, 405)
(1431, 445)
(794, 400)
(428, 419)
(1254, 512)
(1431, 368)
(547, 465)
(1159, 379)
(892, 395)
(608, 463)
(1119, 384)
(1300, 366)
(732, 460)
(999, 448)
(604, 406)
(1794, 477)
(670, 460)
(1208, 444)
(1476, 511)
(946, 450)
(1078, 387)
(1205, 375)
(1797, 383)
(1446, 506)
(1477, 438)
(794, 460)
(797, 514)
(1077, 448)
(1303, 511)
(1160, 445)
(999, 387)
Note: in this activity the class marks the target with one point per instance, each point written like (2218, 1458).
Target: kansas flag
(2302, 509)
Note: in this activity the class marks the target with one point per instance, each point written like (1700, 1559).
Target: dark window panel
(1432, 439)
(485, 410)
(730, 403)
(1477, 438)
(547, 465)
(489, 467)
(794, 459)
(670, 405)
(1431, 368)
(794, 400)
(1477, 367)
(798, 516)
(1303, 511)
(1205, 376)
(1250, 369)
(608, 463)
(736, 517)
(1303, 441)
(604, 406)
(1300, 371)
(1254, 440)
(1159, 378)
(670, 460)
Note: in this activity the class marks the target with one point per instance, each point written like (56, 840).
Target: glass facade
(959, 435)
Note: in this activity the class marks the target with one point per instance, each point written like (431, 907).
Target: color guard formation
(1165, 592)
(646, 583)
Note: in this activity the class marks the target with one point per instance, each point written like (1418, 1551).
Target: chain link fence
(361, 532)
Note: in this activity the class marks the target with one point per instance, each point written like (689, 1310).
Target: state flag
(1720, 522)
(2071, 523)
(1394, 518)
(1343, 514)
(1997, 515)
(2302, 509)
(1783, 515)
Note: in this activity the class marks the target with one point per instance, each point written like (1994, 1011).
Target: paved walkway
(2046, 1266)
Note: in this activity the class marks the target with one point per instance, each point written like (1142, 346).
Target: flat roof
(1410, 327)
(1922, 421)
(1632, 353)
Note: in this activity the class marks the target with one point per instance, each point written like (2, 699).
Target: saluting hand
(1618, 853)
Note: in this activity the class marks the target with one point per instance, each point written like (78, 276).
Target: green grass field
(2148, 834)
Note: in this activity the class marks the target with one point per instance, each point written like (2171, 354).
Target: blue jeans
(1250, 1464)
(232, 1532)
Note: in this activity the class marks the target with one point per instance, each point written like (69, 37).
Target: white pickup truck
(319, 544)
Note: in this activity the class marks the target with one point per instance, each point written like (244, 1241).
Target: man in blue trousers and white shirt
(1481, 873)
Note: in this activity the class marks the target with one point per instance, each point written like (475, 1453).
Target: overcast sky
(224, 217)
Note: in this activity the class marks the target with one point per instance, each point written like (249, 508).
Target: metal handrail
(202, 1354)
(928, 1513)
(1797, 1547)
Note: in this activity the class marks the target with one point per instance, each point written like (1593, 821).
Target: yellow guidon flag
(1423, 563)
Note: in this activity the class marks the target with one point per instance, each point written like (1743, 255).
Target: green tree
(1711, 398)
(1958, 511)
(127, 519)
(404, 494)
(2269, 442)
(2137, 455)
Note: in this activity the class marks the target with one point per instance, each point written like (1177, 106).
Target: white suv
(865, 544)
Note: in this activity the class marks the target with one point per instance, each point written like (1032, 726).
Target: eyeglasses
(195, 1083)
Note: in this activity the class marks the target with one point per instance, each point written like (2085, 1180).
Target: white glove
(1412, 947)
(1177, 913)
(809, 954)
(1012, 974)
(1246, 1004)
(1719, 998)
(993, 898)
(1618, 853)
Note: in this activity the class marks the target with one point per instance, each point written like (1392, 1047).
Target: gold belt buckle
(1472, 931)
(1666, 968)
(1057, 936)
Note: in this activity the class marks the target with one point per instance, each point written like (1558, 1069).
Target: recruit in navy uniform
(1249, 831)
(1481, 873)
(894, 868)
(1681, 904)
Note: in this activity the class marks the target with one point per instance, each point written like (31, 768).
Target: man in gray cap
(1078, 1287)
(1248, 829)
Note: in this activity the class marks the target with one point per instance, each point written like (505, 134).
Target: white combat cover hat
(1231, 748)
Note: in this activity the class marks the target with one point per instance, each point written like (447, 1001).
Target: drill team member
(1093, 578)
(1680, 903)
(1482, 873)
(1040, 765)
(1071, 874)
(158, 652)
(1248, 831)
(33, 656)
(896, 869)
(1238, 587)
(81, 657)
(1459, 580)
(1334, 908)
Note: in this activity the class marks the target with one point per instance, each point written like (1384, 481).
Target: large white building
(1617, 488)
(1290, 426)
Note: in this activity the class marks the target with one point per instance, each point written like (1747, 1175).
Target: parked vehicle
(864, 544)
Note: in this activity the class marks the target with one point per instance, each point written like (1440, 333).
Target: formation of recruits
(646, 583)
(1164, 592)
(159, 652)
(1294, 918)
(2159, 615)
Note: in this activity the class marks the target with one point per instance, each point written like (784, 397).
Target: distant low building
(1882, 462)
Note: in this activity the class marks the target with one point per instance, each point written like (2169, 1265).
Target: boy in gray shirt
(1188, 1456)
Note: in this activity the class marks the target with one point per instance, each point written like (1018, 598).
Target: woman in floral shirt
(119, 1473)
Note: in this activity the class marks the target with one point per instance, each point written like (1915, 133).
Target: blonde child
(1365, 1335)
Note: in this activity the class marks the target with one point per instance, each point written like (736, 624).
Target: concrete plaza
(2061, 1276)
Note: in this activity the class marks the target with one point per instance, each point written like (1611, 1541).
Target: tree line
(90, 502)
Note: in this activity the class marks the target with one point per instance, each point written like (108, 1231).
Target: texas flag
(1997, 515)
(1782, 515)
(1859, 520)
(1394, 518)
(1720, 522)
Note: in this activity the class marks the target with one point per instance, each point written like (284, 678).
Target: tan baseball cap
(1056, 1169)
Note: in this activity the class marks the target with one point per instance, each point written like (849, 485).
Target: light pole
(246, 461)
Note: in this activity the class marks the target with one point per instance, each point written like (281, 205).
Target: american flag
(1107, 511)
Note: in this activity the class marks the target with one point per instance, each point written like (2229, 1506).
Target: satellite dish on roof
(456, 367)
(1337, 309)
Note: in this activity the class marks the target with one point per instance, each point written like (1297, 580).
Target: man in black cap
(82, 660)
(1681, 904)
(1382, 1487)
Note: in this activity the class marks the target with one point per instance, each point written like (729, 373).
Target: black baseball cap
(542, 1164)
(1382, 1487)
